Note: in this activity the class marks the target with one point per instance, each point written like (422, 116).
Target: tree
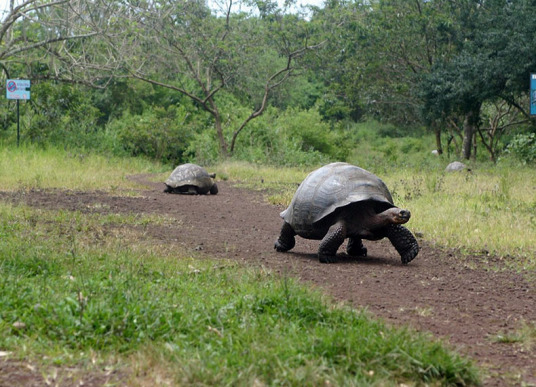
(499, 117)
(45, 39)
(381, 51)
(184, 46)
(493, 64)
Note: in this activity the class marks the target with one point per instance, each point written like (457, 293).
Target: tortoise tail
(403, 241)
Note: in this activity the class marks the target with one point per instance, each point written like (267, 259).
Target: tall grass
(488, 211)
(31, 167)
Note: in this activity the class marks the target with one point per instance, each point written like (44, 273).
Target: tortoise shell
(190, 178)
(330, 188)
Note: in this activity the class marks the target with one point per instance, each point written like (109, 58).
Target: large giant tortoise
(191, 179)
(340, 201)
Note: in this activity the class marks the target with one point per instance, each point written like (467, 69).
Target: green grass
(29, 167)
(486, 211)
(93, 292)
(524, 337)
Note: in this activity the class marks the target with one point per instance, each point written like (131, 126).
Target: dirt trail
(452, 297)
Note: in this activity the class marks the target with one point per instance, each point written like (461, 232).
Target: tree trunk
(474, 144)
(221, 138)
(467, 137)
(218, 126)
(469, 130)
(437, 131)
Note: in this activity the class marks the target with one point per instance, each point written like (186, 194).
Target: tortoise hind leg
(355, 248)
(403, 241)
(286, 240)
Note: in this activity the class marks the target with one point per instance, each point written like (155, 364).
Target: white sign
(18, 89)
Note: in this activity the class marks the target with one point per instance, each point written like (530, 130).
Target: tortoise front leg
(403, 241)
(331, 242)
(355, 248)
(214, 188)
(286, 240)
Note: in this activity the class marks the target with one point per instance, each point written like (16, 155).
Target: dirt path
(452, 297)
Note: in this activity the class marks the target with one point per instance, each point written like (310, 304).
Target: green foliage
(298, 92)
(204, 147)
(307, 129)
(293, 138)
(124, 96)
(496, 49)
(523, 148)
(159, 134)
(380, 147)
(333, 109)
(394, 61)
(58, 114)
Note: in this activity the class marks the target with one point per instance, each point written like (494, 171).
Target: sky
(4, 4)
(299, 3)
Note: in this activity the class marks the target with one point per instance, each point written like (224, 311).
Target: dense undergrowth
(170, 129)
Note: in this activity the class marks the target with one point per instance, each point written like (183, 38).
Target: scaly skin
(403, 241)
(365, 224)
(327, 251)
(286, 240)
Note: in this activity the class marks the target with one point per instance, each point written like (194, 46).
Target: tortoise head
(397, 215)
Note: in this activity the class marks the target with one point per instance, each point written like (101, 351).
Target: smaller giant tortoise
(340, 201)
(191, 179)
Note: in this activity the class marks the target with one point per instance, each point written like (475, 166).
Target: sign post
(533, 94)
(18, 89)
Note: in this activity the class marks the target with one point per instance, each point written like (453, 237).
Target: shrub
(61, 115)
(293, 138)
(204, 147)
(307, 128)
(160, 134)
(523, 148)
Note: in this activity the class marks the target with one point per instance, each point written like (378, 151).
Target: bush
(160, 134)
(293, 138)
(307, 128)
(204, 147)
(523, 148)
(59, 114)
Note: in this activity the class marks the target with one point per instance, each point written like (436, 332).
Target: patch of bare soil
(456, 298)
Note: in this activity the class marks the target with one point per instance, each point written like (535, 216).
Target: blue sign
(533, 94)
(18, 89)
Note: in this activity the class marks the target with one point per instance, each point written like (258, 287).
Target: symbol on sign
(12, 86)
(18, 89)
